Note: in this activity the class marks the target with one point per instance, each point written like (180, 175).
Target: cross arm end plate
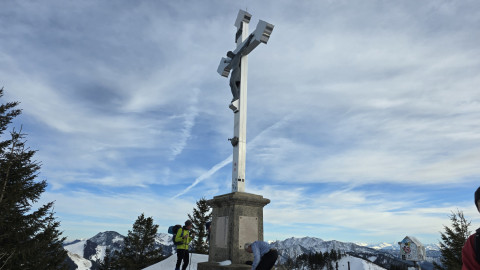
(242, 16)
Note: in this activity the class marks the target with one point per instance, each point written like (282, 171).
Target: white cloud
(345, 95)
(370, 214)
(118, 210)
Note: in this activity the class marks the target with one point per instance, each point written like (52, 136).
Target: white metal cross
(237, 61)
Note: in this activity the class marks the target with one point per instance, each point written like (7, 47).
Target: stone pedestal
(237, 218)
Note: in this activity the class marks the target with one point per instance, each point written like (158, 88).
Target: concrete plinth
(237, 218)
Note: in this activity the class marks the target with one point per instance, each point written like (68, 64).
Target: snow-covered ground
(82, 264)
(356, 263)
(170, 262)
(78, 248)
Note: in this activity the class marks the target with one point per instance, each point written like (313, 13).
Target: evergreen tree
(339, 255)
(333, 255)
(139, 250)
(398, 267)
(106, 264)
(29, 238)
(201, 215)
(452, 242)
(329, 259)
(289, 263)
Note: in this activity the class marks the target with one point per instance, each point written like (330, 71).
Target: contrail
(228, 160)
(209, 173)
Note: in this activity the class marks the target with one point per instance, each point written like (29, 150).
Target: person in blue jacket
(264, 257)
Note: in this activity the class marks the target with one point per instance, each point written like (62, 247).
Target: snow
(117, 239)
(100, 253)
(225, 262)
(291, 247)
(164, 239)
(356, 263)
(77, 248)
(384, 246)
(82, 263)
(170, 262)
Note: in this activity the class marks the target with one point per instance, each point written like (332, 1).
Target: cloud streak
(206, 175)
(188, 123)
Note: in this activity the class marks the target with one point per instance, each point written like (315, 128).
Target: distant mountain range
(383, 254)
(87, 254)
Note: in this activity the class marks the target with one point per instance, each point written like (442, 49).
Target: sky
(363, 116)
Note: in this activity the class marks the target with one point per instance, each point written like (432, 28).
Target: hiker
(471, 249)
(264, 257)
(183, 238)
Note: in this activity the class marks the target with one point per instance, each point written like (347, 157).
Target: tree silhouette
(452, 242)
(29, 238)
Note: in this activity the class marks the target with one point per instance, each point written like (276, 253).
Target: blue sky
(363, 116)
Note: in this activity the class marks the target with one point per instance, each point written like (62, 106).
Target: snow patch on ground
(356, 263)
(169, 263)
(82, 263)
(225, 263)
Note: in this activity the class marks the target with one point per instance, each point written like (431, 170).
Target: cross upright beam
(237, 217)
(237, 62)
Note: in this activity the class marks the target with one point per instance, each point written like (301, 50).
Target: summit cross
(237, 62)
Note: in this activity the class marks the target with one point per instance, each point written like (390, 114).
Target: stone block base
(237, 218)
(216, 266)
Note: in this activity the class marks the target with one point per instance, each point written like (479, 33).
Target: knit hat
(477, 198)
(188, 223)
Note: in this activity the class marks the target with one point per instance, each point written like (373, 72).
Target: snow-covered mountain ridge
(384, 255)
(93, 250)
(396, 246)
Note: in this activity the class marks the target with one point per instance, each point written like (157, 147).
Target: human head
(248, 247)
(477, 199)
(230, 54)
(188, 224)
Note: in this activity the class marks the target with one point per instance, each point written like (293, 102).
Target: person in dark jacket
(183, 236)
(469, 255)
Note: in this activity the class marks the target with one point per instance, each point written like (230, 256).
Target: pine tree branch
(15, 137)
(8, 258)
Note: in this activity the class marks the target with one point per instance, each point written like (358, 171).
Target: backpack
(173, 231)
